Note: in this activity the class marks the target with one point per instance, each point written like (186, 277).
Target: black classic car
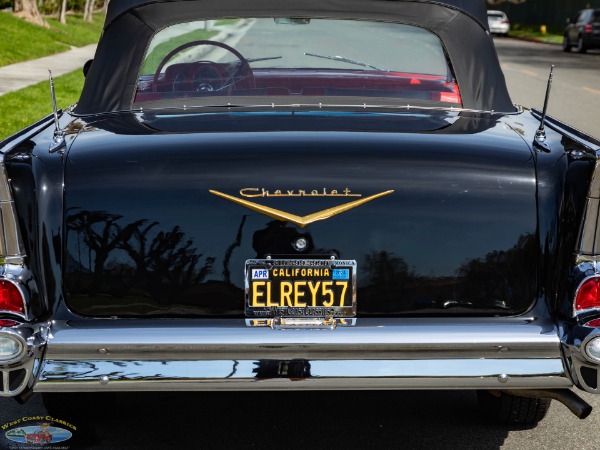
(582, 31)
(308, 195)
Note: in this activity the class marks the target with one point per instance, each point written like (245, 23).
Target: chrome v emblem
(301, 221)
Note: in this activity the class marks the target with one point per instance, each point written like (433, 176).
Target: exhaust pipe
(571, 400)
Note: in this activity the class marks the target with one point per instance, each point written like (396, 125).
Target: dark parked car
(301, 195)
(583, 31)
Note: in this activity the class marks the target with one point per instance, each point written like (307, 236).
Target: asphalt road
(426, 420)
(355, 420)
(575, 95)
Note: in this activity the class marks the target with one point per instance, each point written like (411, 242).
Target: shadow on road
(284, 420)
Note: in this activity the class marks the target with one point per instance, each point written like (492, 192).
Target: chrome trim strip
(589, 240)
(564, 129)
(272, 106)
(10, 240)
(117, 375)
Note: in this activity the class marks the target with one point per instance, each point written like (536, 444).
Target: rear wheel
(511, 409)
(566, 46)
(581, 48)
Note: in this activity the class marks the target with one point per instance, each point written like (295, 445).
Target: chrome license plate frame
(300, 288)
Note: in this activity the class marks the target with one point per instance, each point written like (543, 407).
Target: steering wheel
(243, 72)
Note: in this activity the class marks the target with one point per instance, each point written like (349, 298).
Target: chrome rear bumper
(134, 355)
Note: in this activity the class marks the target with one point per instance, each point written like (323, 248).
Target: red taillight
(588, 295)
(505, 21)
(451, 97)
(11, 298)
(588, 28)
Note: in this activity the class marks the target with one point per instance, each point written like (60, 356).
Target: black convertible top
(477, 8)
(130, 24)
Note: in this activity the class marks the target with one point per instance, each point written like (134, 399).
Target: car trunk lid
(163, 223)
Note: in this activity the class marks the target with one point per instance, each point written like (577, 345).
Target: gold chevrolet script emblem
(301, 221)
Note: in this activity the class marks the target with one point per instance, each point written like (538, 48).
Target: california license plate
(300, 288)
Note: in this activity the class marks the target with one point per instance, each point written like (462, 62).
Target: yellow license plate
(300, 288)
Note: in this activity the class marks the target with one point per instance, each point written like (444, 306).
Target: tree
(28, 10)
(62, 11)
(88, 10)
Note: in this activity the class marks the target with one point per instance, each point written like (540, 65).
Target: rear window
(294, 60)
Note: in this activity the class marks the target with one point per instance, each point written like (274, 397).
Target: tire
(508, 409)
(566, 46)
(581, 48)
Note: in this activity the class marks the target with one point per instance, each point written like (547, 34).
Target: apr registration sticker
(260, 274)
(300, 288)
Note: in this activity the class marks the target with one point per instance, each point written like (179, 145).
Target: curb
(532, 39)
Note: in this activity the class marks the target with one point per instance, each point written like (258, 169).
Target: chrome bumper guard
(19, 374)
(584, 372)
(225, 354)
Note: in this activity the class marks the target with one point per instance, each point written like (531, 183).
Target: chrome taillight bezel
(9, 314)
(578, 312)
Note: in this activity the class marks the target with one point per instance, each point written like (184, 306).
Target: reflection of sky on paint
(58, 434)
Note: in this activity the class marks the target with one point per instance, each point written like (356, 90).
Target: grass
(25, 106)
(76, 31)
(552, 36)
(28, 41)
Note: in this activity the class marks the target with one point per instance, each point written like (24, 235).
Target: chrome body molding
(11, 247)
(589, 239)
(374, 354)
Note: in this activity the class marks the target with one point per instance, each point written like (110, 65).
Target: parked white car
(498, 23)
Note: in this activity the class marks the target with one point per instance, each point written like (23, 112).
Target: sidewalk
(20, 75)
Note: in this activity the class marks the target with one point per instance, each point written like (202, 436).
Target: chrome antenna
(540, 134)
(58, 141)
